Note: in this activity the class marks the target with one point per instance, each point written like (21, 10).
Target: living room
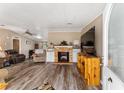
(25, 48)
(58, 48)
(61, 46)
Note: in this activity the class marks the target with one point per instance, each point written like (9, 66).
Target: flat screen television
(88, 38)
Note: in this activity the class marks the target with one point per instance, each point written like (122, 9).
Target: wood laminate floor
(61, 77)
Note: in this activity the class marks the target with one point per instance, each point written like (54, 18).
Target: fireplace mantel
(63, 49)
(63, 46)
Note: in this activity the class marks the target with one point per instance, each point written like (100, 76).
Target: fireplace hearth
(63, 56)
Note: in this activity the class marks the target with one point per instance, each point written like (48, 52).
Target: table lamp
(2, 54)
(0, 48)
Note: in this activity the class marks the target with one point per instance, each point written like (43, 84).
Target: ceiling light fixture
(38, 37)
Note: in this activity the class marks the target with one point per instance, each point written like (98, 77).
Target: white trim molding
(106, 18)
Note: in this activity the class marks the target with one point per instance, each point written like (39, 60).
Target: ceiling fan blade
(29, 33)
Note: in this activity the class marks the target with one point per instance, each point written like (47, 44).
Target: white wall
(6, 37)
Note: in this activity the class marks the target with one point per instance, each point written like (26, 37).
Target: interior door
(16, 45)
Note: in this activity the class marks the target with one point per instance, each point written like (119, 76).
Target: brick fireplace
(63, 53)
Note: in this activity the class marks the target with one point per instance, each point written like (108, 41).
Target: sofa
(14, 57)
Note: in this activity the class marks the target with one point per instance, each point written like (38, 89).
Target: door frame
(16, 37)
(106, 18)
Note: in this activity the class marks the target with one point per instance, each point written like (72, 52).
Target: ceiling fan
(29, 33)
(32, 34)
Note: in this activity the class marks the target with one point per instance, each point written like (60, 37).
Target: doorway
(16, 45)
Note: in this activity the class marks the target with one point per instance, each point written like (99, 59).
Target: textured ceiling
(41, 18)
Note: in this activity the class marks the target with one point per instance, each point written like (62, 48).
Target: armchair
(39, 55)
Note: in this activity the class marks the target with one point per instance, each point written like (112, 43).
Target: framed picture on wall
(28, 42)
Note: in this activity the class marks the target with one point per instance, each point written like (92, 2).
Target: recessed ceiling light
(69, 23)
